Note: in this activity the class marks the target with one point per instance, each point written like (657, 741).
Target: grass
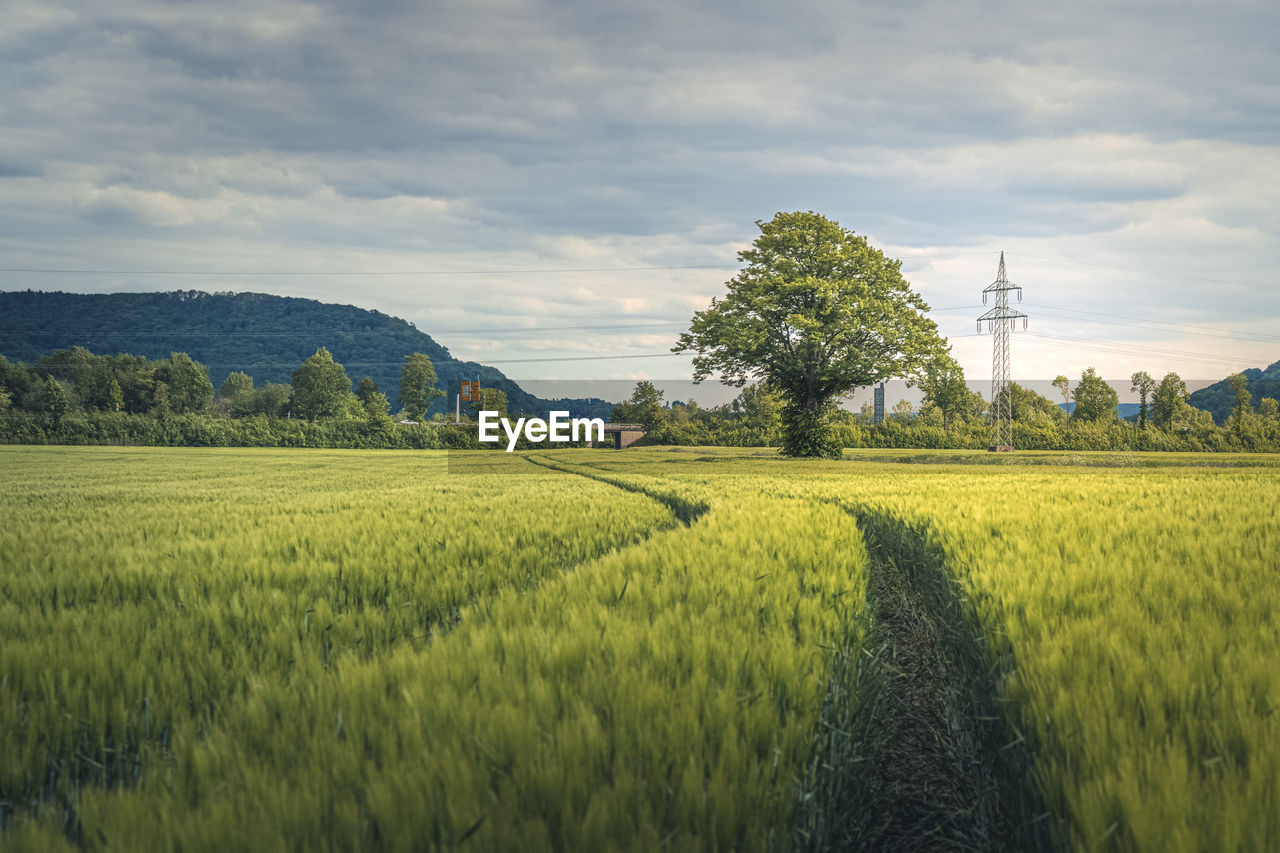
(663, 691)
(213, 649)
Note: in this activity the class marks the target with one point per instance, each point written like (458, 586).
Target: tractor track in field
(928, 773)
(918, 754)
(685, 513)
(685, 510)
(913, 751)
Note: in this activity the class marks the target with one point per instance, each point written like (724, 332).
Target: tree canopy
(1027, 406)
(493, 400)
(418, 386)
(1144, 385)
(189, 387)
(1095, 400)
(946, 390)
(643, 407)
(817, 312)
(54, 399)
(366, 388)
(320, 386)
(238, 383)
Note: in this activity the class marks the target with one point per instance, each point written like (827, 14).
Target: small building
(624, 435)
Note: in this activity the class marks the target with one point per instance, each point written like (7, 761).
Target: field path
(916, 754)
(913, 751)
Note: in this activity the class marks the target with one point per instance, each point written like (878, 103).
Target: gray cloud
(506, 134)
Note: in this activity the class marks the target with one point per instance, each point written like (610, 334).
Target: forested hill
(1218, 400)
(263, 335)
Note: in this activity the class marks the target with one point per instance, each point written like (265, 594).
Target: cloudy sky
(539, 180)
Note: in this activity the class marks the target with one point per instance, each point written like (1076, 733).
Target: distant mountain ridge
(265, 336)
(1217, 399)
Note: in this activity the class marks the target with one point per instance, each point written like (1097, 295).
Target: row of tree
(177, 392)
(1092, 399)
(817, 312)
(77, 380)
(953, 416)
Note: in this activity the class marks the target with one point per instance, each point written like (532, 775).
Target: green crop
(247, 652)
(1139, 603)
(1141, 607)
(233, 649)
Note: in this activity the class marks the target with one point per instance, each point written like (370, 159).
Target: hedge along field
(245, 653)
(1141, 604)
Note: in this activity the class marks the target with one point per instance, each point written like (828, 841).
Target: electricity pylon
(1000, 321)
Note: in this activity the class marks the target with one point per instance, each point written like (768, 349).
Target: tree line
(817, 312)
(954, 417)
(75, 396)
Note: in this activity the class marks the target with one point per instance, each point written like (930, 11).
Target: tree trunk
(805, 431)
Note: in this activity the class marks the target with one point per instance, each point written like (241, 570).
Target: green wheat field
(650, 649)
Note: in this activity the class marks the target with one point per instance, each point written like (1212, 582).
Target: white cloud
(309, 138)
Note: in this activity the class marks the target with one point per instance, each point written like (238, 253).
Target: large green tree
(945, 389)
(817, 312)
(271, 399)
(238, 383)
(1168, 399)
(643, 407)
(320, 387)
(1268, 410)
(1239, 385)
(1095, 400)
(760, 408)
(115, 396)
(493, 400)
(160, 405)
(1027, 406)
(189, 387)
(19, 380)
(1144, 385)
(376, 417)
(366, 388)
(418, 386)
(53, 399)
(1063, 384)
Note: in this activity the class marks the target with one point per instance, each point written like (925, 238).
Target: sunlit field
(657, 648)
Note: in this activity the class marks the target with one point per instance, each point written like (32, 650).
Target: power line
(1124, 349)
(1128, 349)
(256, 273)
(99, 333)
(1148, 272)
(311, 332)
(565, 270)
(486, 362)
(1171, 325)
(945, 255)
(1143, 348)
(513, 271)
(568, 358)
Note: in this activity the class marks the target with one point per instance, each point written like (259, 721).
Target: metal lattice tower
(1000, 322)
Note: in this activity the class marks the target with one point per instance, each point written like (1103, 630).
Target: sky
(550, 180)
